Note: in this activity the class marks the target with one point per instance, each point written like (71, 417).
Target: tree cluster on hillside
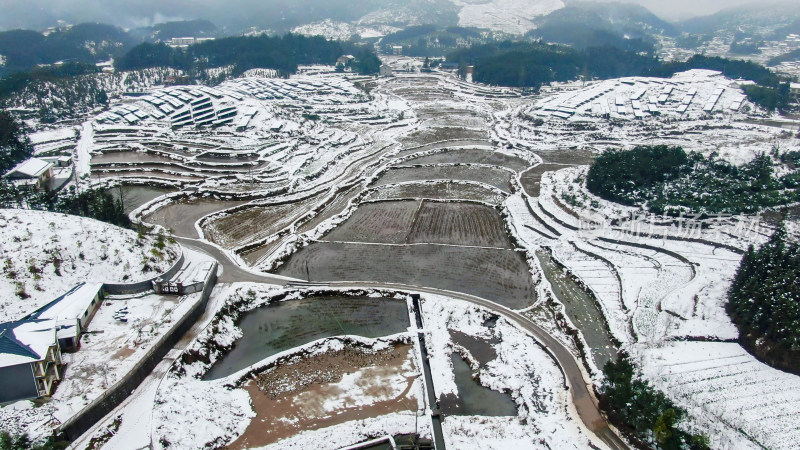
(520, 64)
(584, 25)
(14, 143)
(793, 55)
(95, 203)
(365, 63)
(643, 412)
(764, 301)
(667, 180)
(283, 54)
(430, 40)
(692, 41)
(23, 442)
(86, 43)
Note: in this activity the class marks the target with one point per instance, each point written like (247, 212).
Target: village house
(30, 348)
(72, 313)
(794, 90)
(30, 359)
(32, 173)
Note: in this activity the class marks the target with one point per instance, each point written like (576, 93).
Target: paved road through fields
(576, 379)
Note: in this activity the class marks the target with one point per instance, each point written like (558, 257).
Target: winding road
(576, 378)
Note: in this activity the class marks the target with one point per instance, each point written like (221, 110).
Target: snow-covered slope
(44, 254)
(510, 16)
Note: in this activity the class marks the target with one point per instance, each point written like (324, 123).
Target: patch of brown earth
(291, 398)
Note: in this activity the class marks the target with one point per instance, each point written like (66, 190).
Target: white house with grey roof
(32, 173)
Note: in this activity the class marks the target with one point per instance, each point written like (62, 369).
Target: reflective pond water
(271, 329)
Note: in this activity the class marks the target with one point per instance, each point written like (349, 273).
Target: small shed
(386, 70)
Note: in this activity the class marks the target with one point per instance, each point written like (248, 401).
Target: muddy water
(581, 309)
(272, 329)
(136, 196)
(285, 407)
(473, 398)
(181, 217)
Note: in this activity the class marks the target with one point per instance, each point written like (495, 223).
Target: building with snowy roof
(30, 359)
(32, 173)
(72, 313)
(30, 348)
(794, 90)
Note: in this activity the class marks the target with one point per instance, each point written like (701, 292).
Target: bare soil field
(254, 223)
(576, 157)
(498, 178)
(531, 180)
(182, 216)
(334, 207)
(131, 157)
(428, 135)
(459, 224)
(438, 190)
(498, 275)
(383, 222)
(315, 398)
(473, 156)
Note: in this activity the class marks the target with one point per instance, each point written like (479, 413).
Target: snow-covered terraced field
(420, 181)
(722, 382)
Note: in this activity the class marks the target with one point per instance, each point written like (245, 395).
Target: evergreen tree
(14, 143)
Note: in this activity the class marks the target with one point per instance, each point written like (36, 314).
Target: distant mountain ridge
(756, 14)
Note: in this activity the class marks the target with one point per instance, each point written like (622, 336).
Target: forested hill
(533, 64)
(764, 302)
(520, 64)
(281, 53)
(87, 43)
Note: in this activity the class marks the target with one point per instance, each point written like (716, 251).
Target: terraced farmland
(492, 176)
(471, 156)
(495, 274)
(383, 222)
(459, 224)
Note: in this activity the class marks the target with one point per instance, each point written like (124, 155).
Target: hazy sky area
(39, 14)
(684, 9)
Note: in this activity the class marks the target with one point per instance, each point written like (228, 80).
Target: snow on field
(172, 419)
(328, 29)
(45, 254)
(720, 383)
(53, 141)
(509, 16)
(521, 367)
(673, 278)
(689, 94)
(699, 110)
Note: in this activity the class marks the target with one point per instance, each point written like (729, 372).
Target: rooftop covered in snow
(30, 168)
